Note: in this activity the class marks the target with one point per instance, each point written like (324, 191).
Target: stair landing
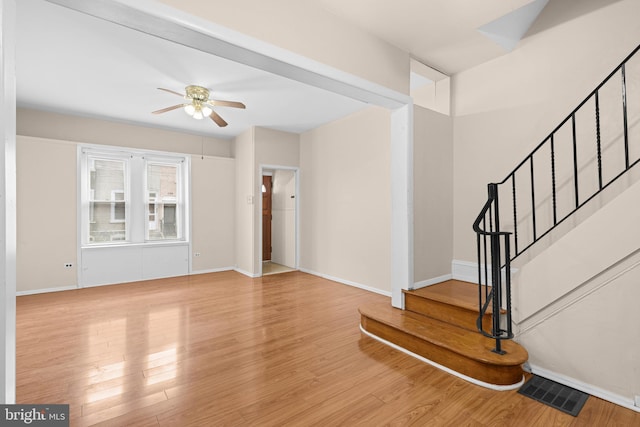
(438, 324)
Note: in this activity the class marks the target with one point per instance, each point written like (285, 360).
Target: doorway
(279, 220)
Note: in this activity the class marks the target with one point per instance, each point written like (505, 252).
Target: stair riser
(493, 374)
(445, 312)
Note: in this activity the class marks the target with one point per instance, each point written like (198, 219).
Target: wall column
(7, 202)
(401, 202)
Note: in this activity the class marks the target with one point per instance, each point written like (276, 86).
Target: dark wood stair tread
(469, 344)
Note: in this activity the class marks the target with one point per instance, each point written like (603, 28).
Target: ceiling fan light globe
(190, 109)
(198, 115)
(206, 111)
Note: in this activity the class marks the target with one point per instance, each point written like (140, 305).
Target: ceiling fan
(199, 105)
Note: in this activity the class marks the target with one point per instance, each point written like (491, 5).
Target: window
(132, 197)
(107, 201)
(162, 201)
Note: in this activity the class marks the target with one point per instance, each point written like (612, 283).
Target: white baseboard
(246, 273)
(584, 387)
(464, 270)
(213, 270)
(45, 291)
(429, 282)
(347, 282)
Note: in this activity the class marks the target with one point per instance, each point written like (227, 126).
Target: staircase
(439, 324)
(466, 328)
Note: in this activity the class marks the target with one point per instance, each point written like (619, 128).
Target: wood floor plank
(224, 349)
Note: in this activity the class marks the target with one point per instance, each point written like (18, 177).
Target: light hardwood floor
(223, 349)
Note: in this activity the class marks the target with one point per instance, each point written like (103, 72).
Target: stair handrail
(493, 257)
(497, 251)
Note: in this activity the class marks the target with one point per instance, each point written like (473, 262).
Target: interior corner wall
(507, 106)
(301, 27)
(432, 194)
(345, 200)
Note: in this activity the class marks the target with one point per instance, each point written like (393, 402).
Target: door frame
(296, 174)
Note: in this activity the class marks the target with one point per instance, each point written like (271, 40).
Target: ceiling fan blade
(233, 104)
(216, 118)
(173, 92)
(164, 110)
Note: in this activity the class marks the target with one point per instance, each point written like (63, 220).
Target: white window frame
(178, 163)
(136, 195)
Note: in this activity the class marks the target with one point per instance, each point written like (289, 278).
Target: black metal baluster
(533, 200)
(553, 181)
(598, 141)
(486, 261)
(515, 214)
(507, 273)
(624, 115)
(575, 159)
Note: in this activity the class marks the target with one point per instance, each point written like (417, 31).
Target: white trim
(46, 291)
(490, 386)
(464, 270)
(212, 270)
(8, 239)
(347, 282)
(246, 273)
(296, 172)
(429, 282)
(587, 388)
(401, 141)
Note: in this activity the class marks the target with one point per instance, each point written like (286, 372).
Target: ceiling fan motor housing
(198, 93)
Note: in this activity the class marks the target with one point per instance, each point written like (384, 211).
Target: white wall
(503, 109)
(283, 229)
(213, 213)
(307, 29)
(245, 202)
(576, 302)
(47, 174)
(47, 214)
(432, 195)
(345, 200)
(45, 124)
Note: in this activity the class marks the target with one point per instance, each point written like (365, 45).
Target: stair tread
(462, 341)
(453, 292)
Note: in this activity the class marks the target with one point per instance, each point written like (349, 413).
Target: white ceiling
(73, 63)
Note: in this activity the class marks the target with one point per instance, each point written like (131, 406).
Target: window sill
(135, 245)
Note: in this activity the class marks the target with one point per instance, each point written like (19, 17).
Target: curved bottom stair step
(464, 351)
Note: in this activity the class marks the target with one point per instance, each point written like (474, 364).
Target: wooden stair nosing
(451, 337)
(498, 375)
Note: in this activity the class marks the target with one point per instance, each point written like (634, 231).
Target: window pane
(162, 201)
(107, 206)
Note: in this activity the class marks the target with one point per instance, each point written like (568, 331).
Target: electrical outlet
(196, 254)
(68, 265)
(637, 401)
